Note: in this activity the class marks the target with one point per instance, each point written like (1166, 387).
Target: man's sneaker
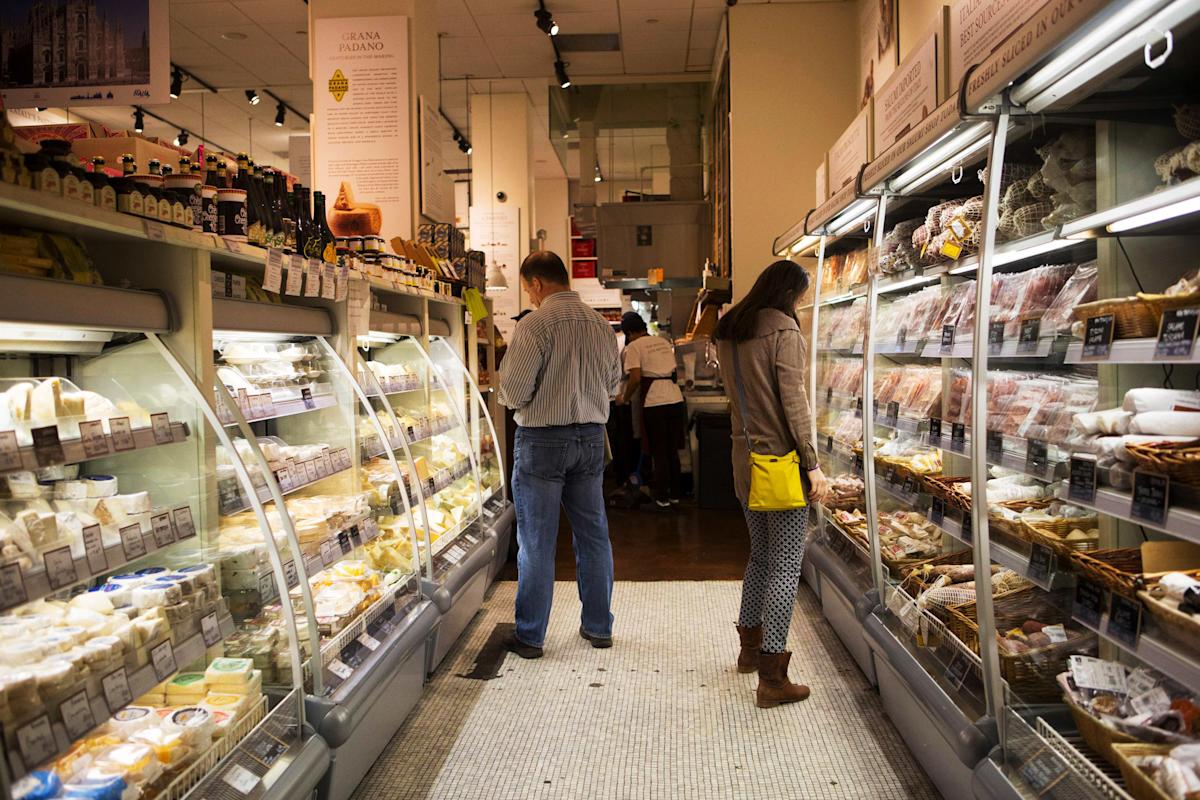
(599, 642)
(514, 645)
(662, 505)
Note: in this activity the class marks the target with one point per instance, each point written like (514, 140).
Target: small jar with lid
(45, 177)
(130, 197)
(103, 191)
(355, 243)
(166, 212)
(231, 214)
(183, 189)
(373, 244)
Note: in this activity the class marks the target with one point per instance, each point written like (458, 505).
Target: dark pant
(664, 430)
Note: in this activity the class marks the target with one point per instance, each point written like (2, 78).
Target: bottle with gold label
(327, 249)
(130, 196)
(102, 189)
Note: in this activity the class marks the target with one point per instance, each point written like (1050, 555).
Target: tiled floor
(661, 715)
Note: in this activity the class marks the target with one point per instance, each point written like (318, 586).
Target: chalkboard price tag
(935, 431)
(46, 446)
(1124, 619)
(968, 532)
(1150, 497)
(1040, 558)
(995, 446)
(858, 463)
(829, 444)
(858, 407)
(958, 437)
(1082, 484)
(893, 412)
(902, 338)
(60, 567)
(947, 339)
(995, 338)
(1089, 603)
(889, 474)
(910, 485)
(1042, 771)
(1027, 339)
(1037, 456)
(1098, 336)
(1177, 333)
(937, 511)
(828, 395)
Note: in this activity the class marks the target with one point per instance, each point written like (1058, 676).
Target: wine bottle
(328, 249)
(255, 216)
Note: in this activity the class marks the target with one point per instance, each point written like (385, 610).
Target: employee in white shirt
(650, 368)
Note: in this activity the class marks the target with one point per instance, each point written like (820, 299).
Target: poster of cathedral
(65, 53)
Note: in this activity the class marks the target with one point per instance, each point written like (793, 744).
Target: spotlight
(560, 72)
(470, 149)
(41, 108)
(280, 115)
(139, 119)
(545, 22)
(598, 177)
(182, 138)
(458, 138)
(252, 97)
(176, 83)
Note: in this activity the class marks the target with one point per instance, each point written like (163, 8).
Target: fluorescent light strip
(1157, 215)
(50, 333)
(1174, 201)
(908, 283)
(852, 216)
(1090, 48)
(1017, 251)
(808, 241)
(943, 154)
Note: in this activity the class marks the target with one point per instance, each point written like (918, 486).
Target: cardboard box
(113, 147)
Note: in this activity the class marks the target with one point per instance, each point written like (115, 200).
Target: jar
(45, 176)
(373, 244)
(155, 204)
(102, 188)
(56, 153)
(355, 243)
(231, 213)
(185, 190)
(208, 212)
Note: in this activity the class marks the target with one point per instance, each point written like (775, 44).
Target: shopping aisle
(661, 715)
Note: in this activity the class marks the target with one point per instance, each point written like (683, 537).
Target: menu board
(977, 27)
(850, 151)
(908, 96)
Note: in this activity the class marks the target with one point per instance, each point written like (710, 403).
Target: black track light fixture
(545, 21)
(280, 114)
(560, 72)
(139, 119)
(182, 138)
(252, 97)
(176, 83)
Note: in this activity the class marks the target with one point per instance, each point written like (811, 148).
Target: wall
(552, 213)
(915, 18)
(787, 107)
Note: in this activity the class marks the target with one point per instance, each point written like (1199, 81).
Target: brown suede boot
(774, 687)
(751, 641)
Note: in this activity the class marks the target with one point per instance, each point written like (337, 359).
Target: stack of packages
(843, 271)
(1182, 163)
(910, 453)
(47, 255)
(1021, 295)
(916, 390)
(842, 375)
(1041, 407)
(908, 318)
(897, 252)
(957, 309)
(842, 327)
(1148, 415)
(472, 268)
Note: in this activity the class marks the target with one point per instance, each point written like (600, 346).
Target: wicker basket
(1099, 736)
(1032, 675)
(947, 489)
(1166, 302)
(1011, 532)
(1180, 461)
(1179, 626)
(1046, 532)
(1138, 783)
(1118, 569)
(914, 585)
(1132, 318)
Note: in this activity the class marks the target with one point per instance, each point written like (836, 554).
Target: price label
(60, 567)
(313, 565)
(185, 528)
(290, 574)
(1098, 336)
(295, 277)
(893, 413)
(327, 463)
(958, 669)
(370, 529)
(828, 395)
(1176, 333)
(47, 448)
(258, 406)
(1151, 495)
(343, 283)
(1037, 457)
(162, 656)
(284, 476)
(454, 554)
(329, 281)
(312, 279)
(266, 587)
(93, 550)
(241, 779)
(1040, 560)
(307, 395)
(161, 423)
(36, 741)
(132, 542)
(319, 468)
(368, 641)
(329, 552)
(1027, 339)
(95, 443)
(902, 337)
(958, 437)
(968, 532)
(10, 452)
(1088, 607)
(12, 586)
(340, 669)
(122, 434)
(1124, 619)
(935, 431)
(77, 715)
(310, 469)
(858, 407)
(995, 446)
(210, 629)
(164, 534)
(344, 458)
(1043, 770)
(1082, 483)
(273, 276)
(995, 338)
(115, 686)
(889, 474)
(947, 344)
(858, 463)
(344, 544)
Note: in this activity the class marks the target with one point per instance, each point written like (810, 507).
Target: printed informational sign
(496, 231)
(977, 27)
(437, 189)
(850, 151)
(877, 51)
(908, 96)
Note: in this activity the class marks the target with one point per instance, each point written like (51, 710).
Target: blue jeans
(551, 467)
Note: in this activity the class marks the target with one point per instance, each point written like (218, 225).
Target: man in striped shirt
(558, 376)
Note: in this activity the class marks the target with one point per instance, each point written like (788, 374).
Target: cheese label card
(284, 476)
(273, 276)
(340, 669)
(60, 567)
(93, 549)
(266, 587)
(306, 395)
(115, 686)
(1176, 333)
(185, 528)
(329, 281)
(1082, 485)
(241, 779)
(132, 542)
(329, 552)
(1098, 336)
(77, 715)
(10, 452)
(164, 534)
(1096, 673)
(12, 586)
(95, 443)
(210, 629)
(968, 532)
(162, 656)
(290, 575)
(995, 338)
(122, 434)
(1043, 771)
(1151, 495)
(36, 742)
(47, 448)
(161, 424)
(947, 344)
(368, 641)
(295, 277)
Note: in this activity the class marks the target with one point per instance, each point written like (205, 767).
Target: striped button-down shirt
(561, 367)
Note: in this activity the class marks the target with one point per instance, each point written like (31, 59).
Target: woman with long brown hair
(776, 419)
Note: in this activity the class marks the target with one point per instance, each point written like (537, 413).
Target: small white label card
(329, 552)
(241, 779)
(117, 694)
(36, 741)
(77, 715)
(273, 277)
(12, 586)
(164, 534)
(161, 423)
(290, 575)
(95, 443)
(122, 434)
(329, 281)
(210, 629)
(184, 526)
(132, 542)
(60, 567)
(93, 550)
(310, 469)
(295, 277)
(1096, 673)
(312, 279)
(368, 641)
(284, 476)
(162, 656)
(340, 669)
(10, 453)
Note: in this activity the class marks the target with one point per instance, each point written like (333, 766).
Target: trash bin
(713, 469)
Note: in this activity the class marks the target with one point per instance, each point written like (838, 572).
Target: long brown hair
(779, 286)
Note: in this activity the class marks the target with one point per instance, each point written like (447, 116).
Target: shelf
(1008, 558)
(1182, 523)
(269, 409)
(1167, 658)
(341, 542)
(1012, 457)
(964, 348)
(1129, 351)
(901, 424)
(1168, 211)
(45, 301)
(910, 279)
(314, 470)
(98, 445)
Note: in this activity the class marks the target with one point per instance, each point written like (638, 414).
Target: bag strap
(741, 395)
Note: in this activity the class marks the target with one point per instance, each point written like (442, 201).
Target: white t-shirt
(656, 358)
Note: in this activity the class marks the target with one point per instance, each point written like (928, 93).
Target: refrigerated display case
(1031, 375)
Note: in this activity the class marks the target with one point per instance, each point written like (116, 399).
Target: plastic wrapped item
(1080, 288)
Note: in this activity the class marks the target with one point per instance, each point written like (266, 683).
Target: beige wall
(792, 92)
(915, 18)
(552, 213)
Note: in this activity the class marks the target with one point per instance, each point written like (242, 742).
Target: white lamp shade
(496, 282)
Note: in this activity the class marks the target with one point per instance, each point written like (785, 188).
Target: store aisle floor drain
(490, 657)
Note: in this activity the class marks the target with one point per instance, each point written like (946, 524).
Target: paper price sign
(132, 542)
(161, 423)
(122, 434)
(77, 715)
(95, 443)
(273, 277)
(12, 586)
(947, 343)
(115, 686)
(164, 534)
(241, 779)
(184, 526)
(47, 448)
(60, 568)
(36, 742)
(210, 629)
(10, 452)
(162, 656)
(935, 430)
(312, 279)
(329, 281)
(295, 277)
(368, 641)
(340, 669)
(93, 550)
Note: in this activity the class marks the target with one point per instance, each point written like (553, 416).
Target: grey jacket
(778, 417)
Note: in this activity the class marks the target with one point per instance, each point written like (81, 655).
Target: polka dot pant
(777, 540)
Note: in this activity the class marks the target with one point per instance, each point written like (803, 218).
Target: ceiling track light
(280, 114)
(139, 119)
(560, 72)
(599, 177)
(252, 97)
(182, 138)
(176, 83)
(545, 21)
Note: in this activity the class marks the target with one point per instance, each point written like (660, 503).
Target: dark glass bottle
(300, 210)
(210, 174)
(256, 227)
(102, 189)
(264, 177)
(222, 175)
(130, 198)
(326, 250)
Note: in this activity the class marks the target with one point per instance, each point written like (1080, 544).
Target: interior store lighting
(854, 215)
(807, 241)
(599, 177)
(545, 20)
(182, 138)
(942, 156)
(139, 120)
(176, 83)
(1153, 216)
(280, 115)
(560, 72)
(495, 280)
(252, 97)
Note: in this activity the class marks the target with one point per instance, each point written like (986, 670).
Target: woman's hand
(819, 483)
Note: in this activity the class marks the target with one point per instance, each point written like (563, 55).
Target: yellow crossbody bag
(775, 482)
